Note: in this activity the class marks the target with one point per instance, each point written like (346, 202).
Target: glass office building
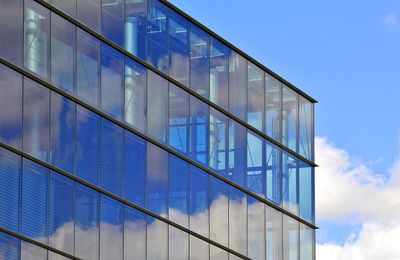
(128, 130)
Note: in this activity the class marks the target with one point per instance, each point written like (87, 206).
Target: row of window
(54, 129)
(82, 65)
(53, 209)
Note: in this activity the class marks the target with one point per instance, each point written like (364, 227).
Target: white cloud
(390, 19)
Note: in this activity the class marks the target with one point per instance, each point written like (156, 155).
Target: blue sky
(345, 54)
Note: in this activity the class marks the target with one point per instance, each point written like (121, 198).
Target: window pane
(256, 228)
(178, 48)
(54, 256)
(305, 128)
(112, 20)
(157, 107)
(135, 169)
(135, 27)
(237, 85)
(199, 117)
(112, 81)
(34, 201)
(157, 239)
(273, 173)
(218, 141)
(89, 13)
(306, 242)
(199, 61)
(289, 183)
(135, 94)
(274, 234)
(255, 171)
(36, 120)
(157, 180)
(199, 201)
(157, 35)
(11, 31)
(37, 38)
(290, 241)
(61, 213)
(219, 211)
(178, 244)
(68, 7)
(217, 253)
(237, 153)
(10, 167)
(289, 118)
(178, 190)
(9, 247)
(87, 67)
(62, 128)
(255, 95)
(199, 249)
(306, 191)
(219, 73)
(87, 145)
(112, 160)
(30, 251)
(111, 236)
(63, 51)
(237, 220)
(10, 107)
(134, 234)
(87, 223)
(273, 101)
(178, 118)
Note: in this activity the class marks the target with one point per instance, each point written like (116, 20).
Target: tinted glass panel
(62, 129)
(66, 6)
(273, 101)
(178, 190)
(112, 160)
(237, 220)
(290, 240)
(36, 120)
(178, 244)
(237, 153)
(274, 234)
(199, 61)
(11, 30)
(237, 85)
(199, 117)
(135, 169)
(199, 201)
(218, 141)
(256, 228)
(289, 182)
(10, 106)
(157, 239)
(61, 213)
(273, 173)
(218, 73)
(135, 27)
(306, 191)
(306, 242)
(135, 94)
(255, 95)
(34, 201)
(305, 128)
(178, 118)
(112, 20)
(63, 51)
(88, 67)
(134, 234)
(289, 118)
(219, 211)
(30, 251)
(87, 145)
(199, 249)
(89, 13)
(255, 171)
(10, 167)
(157, 35)
(9, 247)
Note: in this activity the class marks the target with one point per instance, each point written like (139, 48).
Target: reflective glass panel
(218, 141)
(9, 247)
(112, 157)
(89, 13)
(199, 201)
(112, 81)
(290, 239)
(178, 190)
(11, 31)
(219, 211)
(135, 94)
(255, 95)
(178, 244)
(112, 20)
(217, 253)
(274, 234)
(134, 234)
(87, 223)
(157, 35)
(157, 239)
(30, 251)
(111, 236)
(305, 128)
(178, 48)
(68, 6)
(199, 117)
(199, 249)
(135, 169)
(237, 153)
(237, 85)
(306, 191)
(255, 171)
(178, 118)
(135, 27)
(37, 38)
(61, 213)
(237, 220)
(199, 61)
(157, 106)
(54, 256)
(34, 201)
(289, 182)
(219, 73)
(289, 117)
(87, 145)
(36, 120)
(273, 102)
(10, 107)
(62, 132)
(273, 173)
(306, 242)
(88, 67)
(157, 180)
(63, 53)
(256, 228)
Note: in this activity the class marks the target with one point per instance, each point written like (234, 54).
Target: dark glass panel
(289, 118)
(219, 211)
(36, 120)
(9, 247)
(256, 228)
(306, 191)
(199, 201)
(178, 118)
(178, 242)
(237, 220)
(34, 201)
(273, 103)
(89, 13)
(30, 251)
(219, 73)
(178, 48)
(237, 85)
(10, 107)
(289, 183)
(112, 20)
(199, 249)
(199, 129)
(62, 130)
(255, 170)
(218, 141)
(87, 145)
(273, 174)
(255, 95)
(237, 153)
(305, 128)
(199, 61)
(157, 239)
(135, 169)
(67, 6)
(290, 238)
(178, 190)
(61, 213)
(135, 27)
(157, 35)
(134, 234)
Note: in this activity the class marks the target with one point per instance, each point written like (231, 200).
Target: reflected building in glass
(128, 130)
